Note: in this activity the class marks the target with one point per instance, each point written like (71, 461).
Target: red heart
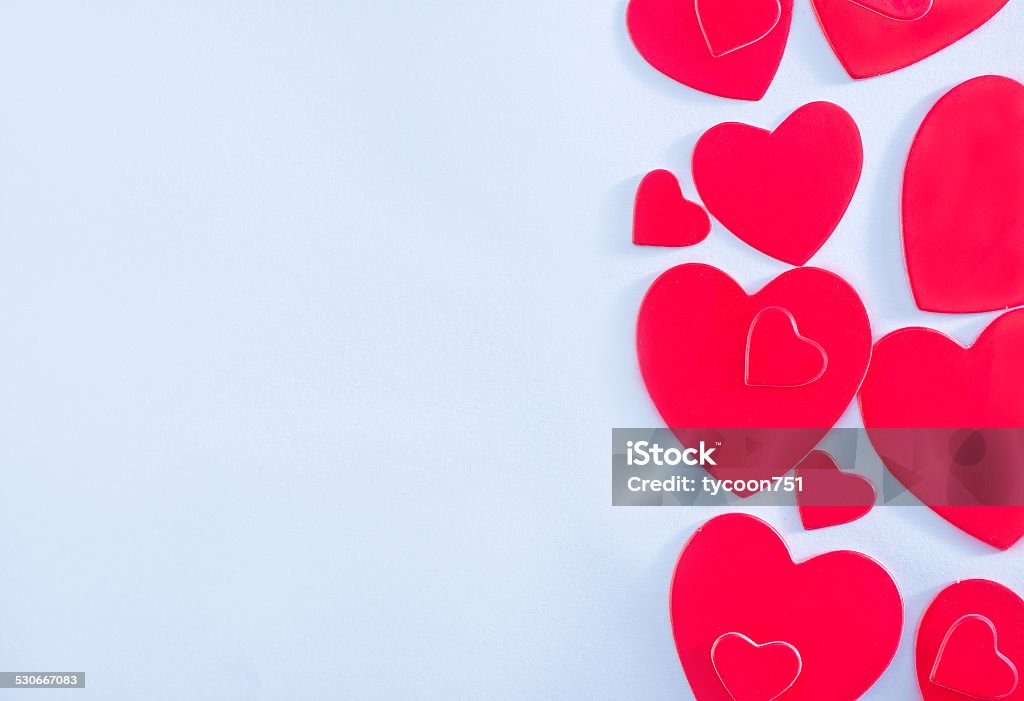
(752, 672)
(668, 35)
(691, 343)
(971, 643)
(783, 192)
(963, 215)
(730, 25)
(828, 496)
(969, 661)
(923, 395)
(777, 355)
(868, 43)
(902, 10)
(663, 217)
(842, 610)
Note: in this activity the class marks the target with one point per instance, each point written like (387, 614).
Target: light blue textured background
(316, 317)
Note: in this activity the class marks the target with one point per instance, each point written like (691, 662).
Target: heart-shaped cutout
(963, 214)
(923, 398)
(970, 663)
(828, 496)
(730, 25)
(777, 355)
(970, 643)
(869, 43)
(783, 192)
(754, 672)
(841, 610)
(692, 334)
(900, 10)
(663, 217)
(668, 34)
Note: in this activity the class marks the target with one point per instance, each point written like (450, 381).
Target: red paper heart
(921, 379)
(778, 356)
(842, 610)
(868, 43)
(969, 661)
(663, 217)
(963, 214)
(902, 10)
(966, 658)
(828, 496)
(729, 25)
(752, 671)
(691, 343)
(783, 192)
(668, 35)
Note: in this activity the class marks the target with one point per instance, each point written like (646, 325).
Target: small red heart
(753, 672)
(778, 356)
(828, 496)
(842, 610)
(668, 34)
(869, 43)
(923, 396)
(691, 344)
(902, 10)
(729, 25)
(783, 192)
(663, 217)
(971, 643)
(963, 214)
(969, 661)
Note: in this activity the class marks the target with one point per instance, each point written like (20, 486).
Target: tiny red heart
(778, 356)
(969, 661)
(971, 643)
(828, 496)
(668, 34)
(963, 216)
(841, 611)
(663, 217)
(752, 671)
(869, 42)
(902, 10)
(729, 25)
(782, 192)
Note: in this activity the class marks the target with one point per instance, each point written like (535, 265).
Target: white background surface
(316, 320)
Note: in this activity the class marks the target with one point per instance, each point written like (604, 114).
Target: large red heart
(963, 214)
(922, 400)
(692, 334)
(868, 43)
(841, 611)
(663, 217)
(783, 192)
(668, 34)
(971, 643)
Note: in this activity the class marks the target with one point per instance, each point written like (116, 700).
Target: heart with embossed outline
(900, 10)
(730, 25)
(752, 671)
(692, 337)
(841, 610)
(970, 644)
(671, 36)
(870, 42)
(778, 356)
